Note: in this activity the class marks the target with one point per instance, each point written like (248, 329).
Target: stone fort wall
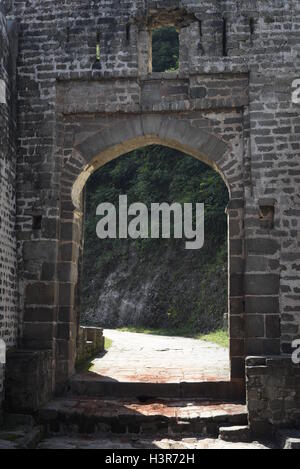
(58, 42)
(8, 257)
(219, 41)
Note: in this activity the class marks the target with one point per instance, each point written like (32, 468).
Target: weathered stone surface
(8, 242)
(158, 359)
(138, 365)
(90, 342)
(156, 417)
(273, 393)
(229, 105)
(19, 431)
(289, 439)
(235, 434)
(28, 380)
(144, 443)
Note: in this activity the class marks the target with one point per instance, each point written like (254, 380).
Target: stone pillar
(68, 264)
(262, 284)
(144, 51)
(236, 288)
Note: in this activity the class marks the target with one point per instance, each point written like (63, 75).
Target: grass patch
(143, 330)
(219, 337)
(107, 343)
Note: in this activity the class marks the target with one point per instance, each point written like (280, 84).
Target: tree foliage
(159, 174)
(165, 49)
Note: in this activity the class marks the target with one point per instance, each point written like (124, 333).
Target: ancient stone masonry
(273, 393)
(90, 343)
(8, 257)
(87, 94)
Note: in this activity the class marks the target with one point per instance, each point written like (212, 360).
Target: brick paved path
(151, 358)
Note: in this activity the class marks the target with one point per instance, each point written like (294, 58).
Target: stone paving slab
(124, 416)
(93, 385)
(132, 443)
(159, 359)
(171, 408)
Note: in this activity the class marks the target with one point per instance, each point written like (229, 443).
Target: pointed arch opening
(125, 136)
(146, 283)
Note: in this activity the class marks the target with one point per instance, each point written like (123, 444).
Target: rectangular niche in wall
(267, 213)
(165, 49)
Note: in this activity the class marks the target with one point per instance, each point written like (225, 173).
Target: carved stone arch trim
(139, 131)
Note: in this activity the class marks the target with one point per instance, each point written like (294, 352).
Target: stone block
(40, 314)
(239, 434)
(273, 326)
(237, 347)
(39, 293)
(38, 335)
(40, 250)
(262, 246)
(90, 342)
(262, 305)
(237, 327)
(254, 326)
(262, 284)
(236, 285)
(28, 380)
(237, 368)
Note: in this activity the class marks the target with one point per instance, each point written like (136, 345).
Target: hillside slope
(156, 283)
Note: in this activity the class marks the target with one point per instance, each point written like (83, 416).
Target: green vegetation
(153, 174)
(186, 288)
(165, 50)
(219, 337)
(108, 343)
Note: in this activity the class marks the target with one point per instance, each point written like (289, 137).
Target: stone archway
(103, 146)
(136, 132)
